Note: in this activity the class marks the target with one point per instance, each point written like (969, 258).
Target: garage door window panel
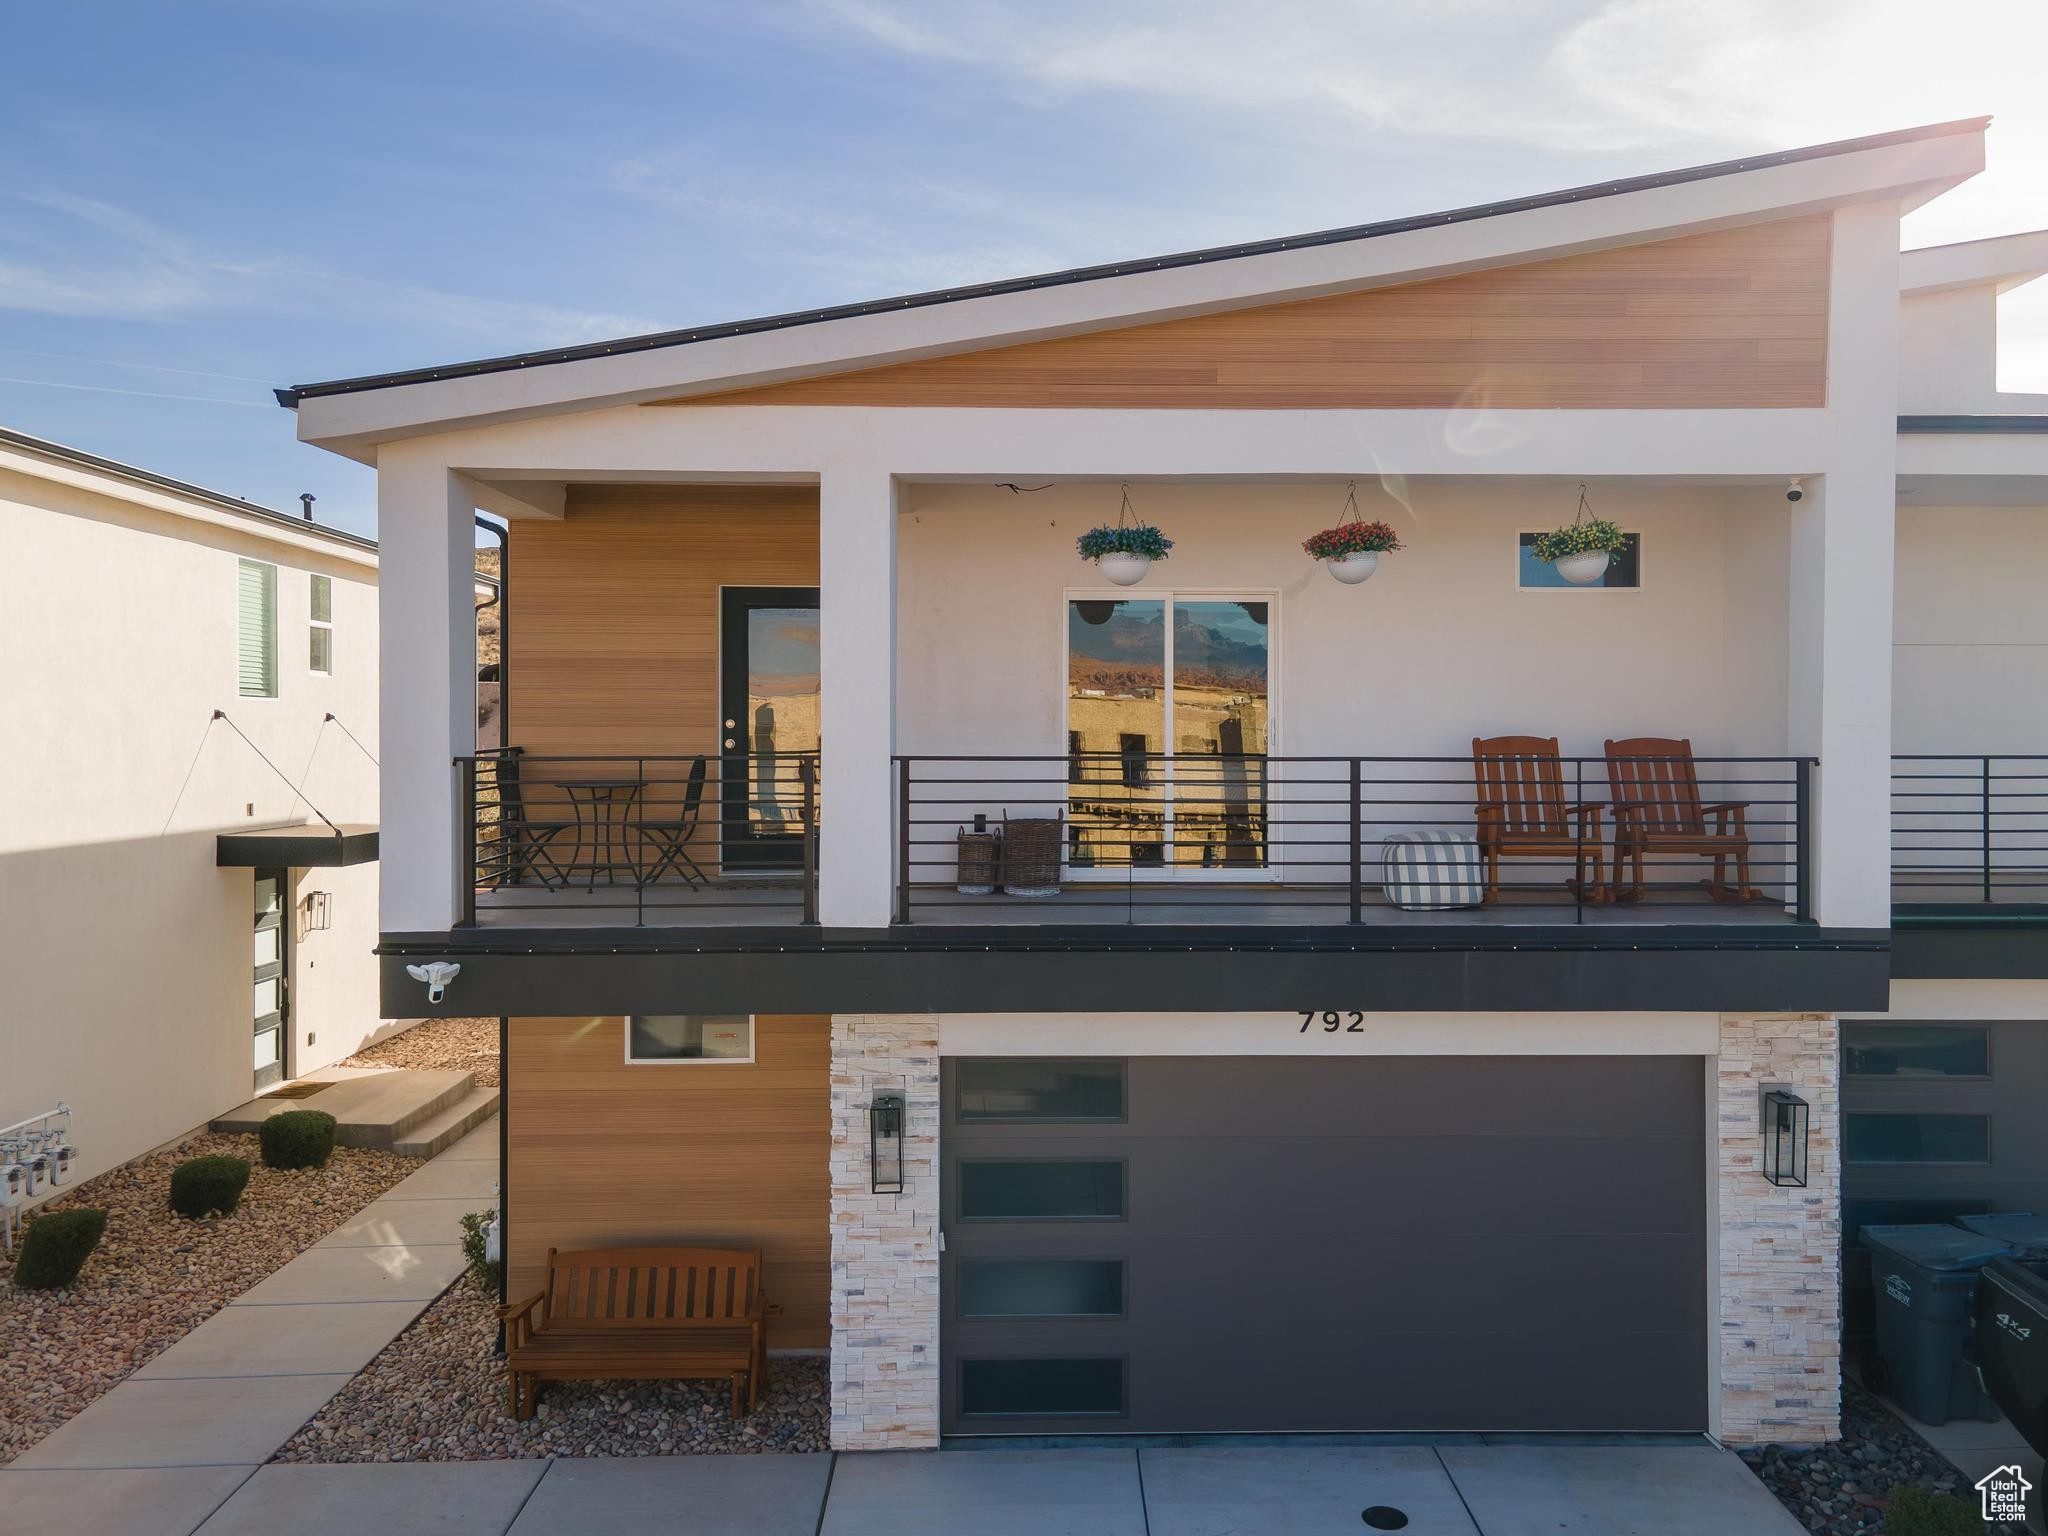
(1039, 1090)
(1063, 1189)
(1051, 1388)
(1916, 1051)
(1027, 1288)
(1889, 1138)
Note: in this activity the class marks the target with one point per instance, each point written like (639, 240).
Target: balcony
(1970, 835)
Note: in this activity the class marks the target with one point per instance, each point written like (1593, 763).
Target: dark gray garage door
(1168, 1244)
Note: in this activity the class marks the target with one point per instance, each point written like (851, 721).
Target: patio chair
(1522, 812)
(1657, 809)
(671, 837)
(528, 838)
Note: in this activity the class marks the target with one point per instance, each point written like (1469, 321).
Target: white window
(320, 641)
(670, 1037)
(256, 612)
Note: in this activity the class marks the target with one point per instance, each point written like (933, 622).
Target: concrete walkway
(1462, 1490)
(162, 1451)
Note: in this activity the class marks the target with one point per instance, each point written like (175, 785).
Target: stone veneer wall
(1780, 1327)
(885, 1248)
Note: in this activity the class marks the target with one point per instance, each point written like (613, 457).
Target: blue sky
(199, 201)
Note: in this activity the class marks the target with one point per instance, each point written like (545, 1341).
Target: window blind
(257, 614)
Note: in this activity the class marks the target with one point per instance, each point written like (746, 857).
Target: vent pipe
(306, 502)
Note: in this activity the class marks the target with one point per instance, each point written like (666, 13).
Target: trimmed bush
(488, 1273)
(298, 1138)
(56, 1248)
(1913, 1511)
(206, 1186)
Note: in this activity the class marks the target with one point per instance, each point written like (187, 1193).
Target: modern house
(1046, 974)
(189, 846)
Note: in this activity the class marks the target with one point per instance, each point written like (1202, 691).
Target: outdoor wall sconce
(316, 912)
(885, 1144)
(1784, 1131)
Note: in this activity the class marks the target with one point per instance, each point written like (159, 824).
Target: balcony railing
(1139, 837)
(590, 837)
(1969, 829)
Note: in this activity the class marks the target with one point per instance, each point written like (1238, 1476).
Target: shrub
(298, 1138)
(1913, 1511)
(488, 1273)
(206, 1186)
(1593, 536)
(56, 1248)
(1142, 540)
(1352, 539)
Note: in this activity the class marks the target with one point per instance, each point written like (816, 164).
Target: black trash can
(1925, 1281)
(2012, 1343)
(2022, 1231)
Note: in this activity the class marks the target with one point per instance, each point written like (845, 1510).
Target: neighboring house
(1199, 1130)
(185, 922)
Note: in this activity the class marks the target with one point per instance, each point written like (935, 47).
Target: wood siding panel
(705, 1154)
(1736, 318)
(614, 635)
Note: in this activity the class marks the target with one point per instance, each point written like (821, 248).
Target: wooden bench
(641, 1314)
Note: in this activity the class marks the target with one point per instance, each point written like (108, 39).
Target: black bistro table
(604, 827)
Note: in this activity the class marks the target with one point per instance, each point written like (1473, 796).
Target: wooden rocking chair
(1657, 809)
(1522, 812)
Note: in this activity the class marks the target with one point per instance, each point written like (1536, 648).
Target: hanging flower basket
(1351, 551)
(1581, 550)
(1124, 550)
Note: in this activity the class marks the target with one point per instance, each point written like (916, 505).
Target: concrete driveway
(1453, 1490)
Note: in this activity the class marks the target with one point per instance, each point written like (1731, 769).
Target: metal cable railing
(666, 838)
(1970, 828)
(1141, 837)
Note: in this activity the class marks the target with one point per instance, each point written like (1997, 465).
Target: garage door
(1190, 1244)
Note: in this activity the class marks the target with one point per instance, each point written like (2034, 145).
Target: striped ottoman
(1431, 871)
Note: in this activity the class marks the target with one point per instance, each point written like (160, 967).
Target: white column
(426, 549)
(1842, 538)
(857, 708)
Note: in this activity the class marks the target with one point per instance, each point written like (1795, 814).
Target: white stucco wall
(1970, 648)
(1437, 648)
(126, 954)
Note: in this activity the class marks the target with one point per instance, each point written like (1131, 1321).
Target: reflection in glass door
(769, 702)
(1168, 725)
(269, 1003)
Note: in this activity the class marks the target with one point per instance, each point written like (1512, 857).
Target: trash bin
(2022, 1231)
(1925, 1280)
(2012, 1343)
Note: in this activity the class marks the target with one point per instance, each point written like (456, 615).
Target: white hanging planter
(1124, 570)
(1584, 568)
(1353, 568)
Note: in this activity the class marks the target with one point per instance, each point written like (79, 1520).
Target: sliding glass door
(1168, 726)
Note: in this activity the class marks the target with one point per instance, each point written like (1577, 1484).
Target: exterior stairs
(410, 1112)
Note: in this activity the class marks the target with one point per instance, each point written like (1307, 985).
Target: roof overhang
(352, 416)
(302, 847)
(2005, 262)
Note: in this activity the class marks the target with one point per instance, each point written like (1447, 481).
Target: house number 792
(1332, 1022)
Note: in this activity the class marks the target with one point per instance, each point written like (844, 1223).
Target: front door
(271, 998)
(768, 702)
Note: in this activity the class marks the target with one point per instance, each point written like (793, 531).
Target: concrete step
(434, 1136)
(376, 1109)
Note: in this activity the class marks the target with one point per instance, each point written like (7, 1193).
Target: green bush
(1913, 1511)
(489, 1274)
(298, 1138)
(206, 1186)
(57, 1247)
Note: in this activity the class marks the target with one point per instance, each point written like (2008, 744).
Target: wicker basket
(979, 852)
(1031, 855)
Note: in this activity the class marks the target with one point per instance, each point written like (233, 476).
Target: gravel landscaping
(156, 1275)
(437, 1393)
(460, 1045)
(1839, 1489)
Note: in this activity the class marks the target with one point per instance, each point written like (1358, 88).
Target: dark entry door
(270, 985)
(1209, 1245)
(768, 703)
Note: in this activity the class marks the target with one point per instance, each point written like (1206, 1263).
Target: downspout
(498, 597)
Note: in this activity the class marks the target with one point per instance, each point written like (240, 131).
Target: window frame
(315, 625)
(748, 1060)
(268, 640)
(960, 1117)
(1988, 1160)
(958, 1181)
(959, 1285)
(1978, 1026)
(1515, 550)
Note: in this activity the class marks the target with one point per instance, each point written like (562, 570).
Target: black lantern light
(1784, 1128)
(885, 1143)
